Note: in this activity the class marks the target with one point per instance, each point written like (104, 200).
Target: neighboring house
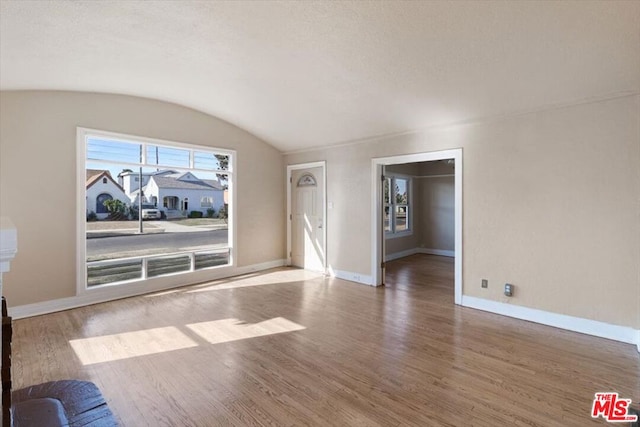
(178, 193)
(101, 187)
(130, 180)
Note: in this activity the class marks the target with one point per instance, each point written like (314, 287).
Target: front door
(307, 219)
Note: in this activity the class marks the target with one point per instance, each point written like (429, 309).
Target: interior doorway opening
(417, 214)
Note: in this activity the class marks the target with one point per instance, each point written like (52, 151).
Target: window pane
(167, 265)
(183, 210)
(113, 151)
(117, 271)
(402, 218)
(387, 222)
(167, 156)
(212, 258)
(212, 161)
(402, 191)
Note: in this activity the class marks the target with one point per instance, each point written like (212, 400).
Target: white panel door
(307, 219)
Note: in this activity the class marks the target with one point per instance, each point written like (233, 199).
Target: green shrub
(211, 213)
(195, 214)
(91, 216)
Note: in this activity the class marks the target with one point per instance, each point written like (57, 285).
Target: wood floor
(290, 348)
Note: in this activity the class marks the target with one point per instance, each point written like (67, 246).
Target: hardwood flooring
(290, 348)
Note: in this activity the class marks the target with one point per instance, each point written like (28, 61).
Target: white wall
(38, 133)
(550, 205)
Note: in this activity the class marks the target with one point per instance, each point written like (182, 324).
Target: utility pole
(140, 230)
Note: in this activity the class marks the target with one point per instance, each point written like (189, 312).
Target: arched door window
(100, 207)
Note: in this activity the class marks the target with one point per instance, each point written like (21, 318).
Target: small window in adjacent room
(397, 205)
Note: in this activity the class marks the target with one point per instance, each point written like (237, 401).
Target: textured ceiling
(306, 74)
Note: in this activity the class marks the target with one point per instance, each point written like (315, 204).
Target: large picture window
(397, 207)
(141, 218)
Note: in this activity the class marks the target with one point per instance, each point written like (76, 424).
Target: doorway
(306, 211)
(380, 209)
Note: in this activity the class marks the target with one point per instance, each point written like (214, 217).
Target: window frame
(208, 203)
(393, 233)
(145, 284)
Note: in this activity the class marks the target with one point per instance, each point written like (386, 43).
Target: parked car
(150, 212)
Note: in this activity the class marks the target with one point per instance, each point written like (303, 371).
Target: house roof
(166, 182)
(94, 175)
(214, 183)
(306, 74)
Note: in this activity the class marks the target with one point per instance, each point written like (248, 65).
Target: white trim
(426, 251)
(440, 252)
(290, 168)
(352, 277)
(577, 324)
(81, 213)
(376, 217)
(401, 254)
(132, 289)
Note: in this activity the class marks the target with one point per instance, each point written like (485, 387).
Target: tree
(223, 162)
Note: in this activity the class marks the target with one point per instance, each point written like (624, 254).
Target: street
(147, 244)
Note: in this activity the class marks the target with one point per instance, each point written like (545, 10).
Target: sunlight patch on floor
(271, 278)
(225, 330)
(109, 348)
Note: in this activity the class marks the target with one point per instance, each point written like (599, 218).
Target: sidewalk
(156, 227)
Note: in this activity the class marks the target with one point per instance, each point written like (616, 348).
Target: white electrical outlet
(508, 289)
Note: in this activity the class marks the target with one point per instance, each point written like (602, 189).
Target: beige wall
(540, 209)
(437, 220)
(38, 184)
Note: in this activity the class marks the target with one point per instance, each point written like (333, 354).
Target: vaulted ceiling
(307, 74)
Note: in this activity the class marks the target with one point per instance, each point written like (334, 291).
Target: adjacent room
(324, 213)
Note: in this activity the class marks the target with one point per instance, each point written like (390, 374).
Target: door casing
(290, 169)
(377, 233)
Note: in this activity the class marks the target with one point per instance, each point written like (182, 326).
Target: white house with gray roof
(178, 193)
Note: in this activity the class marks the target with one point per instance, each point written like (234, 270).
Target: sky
(115, 156)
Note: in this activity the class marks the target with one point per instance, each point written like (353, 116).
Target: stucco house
(101, 187)
(176, 193)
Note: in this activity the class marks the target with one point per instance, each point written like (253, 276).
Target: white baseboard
(428, 251)
(352, 277)
(401, 254)
(117, 292)
(441, 252)
(624, 334)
